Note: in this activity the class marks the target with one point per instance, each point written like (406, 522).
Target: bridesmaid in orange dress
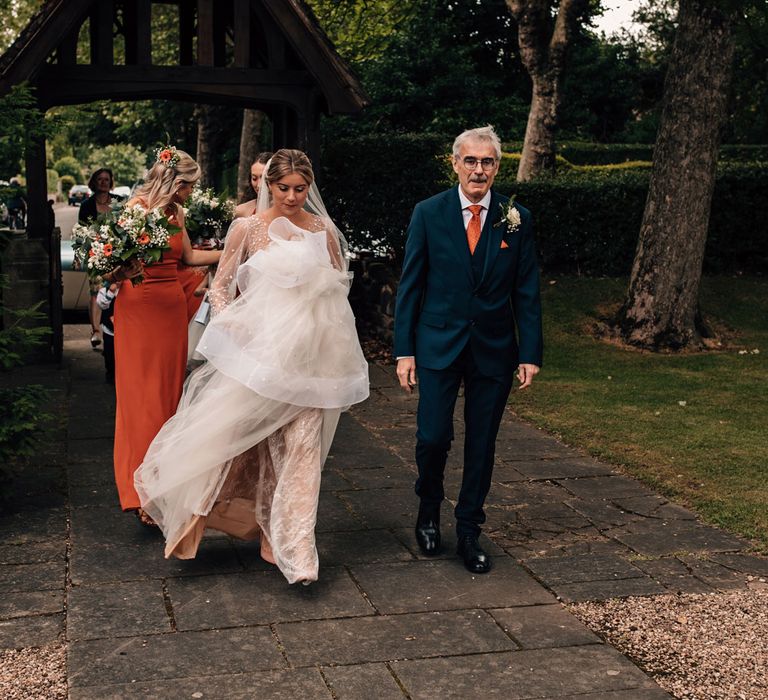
(151, 326)
(192, 280)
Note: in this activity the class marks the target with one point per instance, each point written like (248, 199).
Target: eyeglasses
(470, 162)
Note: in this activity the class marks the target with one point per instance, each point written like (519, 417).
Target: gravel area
(696, 647)
(38, 673)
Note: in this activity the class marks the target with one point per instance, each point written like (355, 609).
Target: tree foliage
(126, 162)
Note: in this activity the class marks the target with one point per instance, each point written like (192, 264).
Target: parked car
(75, 290)
(123, 192)
(78, 194)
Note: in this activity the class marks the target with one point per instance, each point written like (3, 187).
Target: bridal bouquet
(120, 234)
(207, 216)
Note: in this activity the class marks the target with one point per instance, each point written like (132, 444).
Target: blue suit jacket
(441, 306)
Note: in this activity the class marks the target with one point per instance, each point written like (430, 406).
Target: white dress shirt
(485, 202)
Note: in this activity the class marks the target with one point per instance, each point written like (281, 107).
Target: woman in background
(100, 202)
(248, 208)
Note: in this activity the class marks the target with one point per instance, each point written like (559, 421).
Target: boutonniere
(509, 216)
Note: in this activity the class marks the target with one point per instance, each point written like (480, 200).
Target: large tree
(544, 39)
(661, 309)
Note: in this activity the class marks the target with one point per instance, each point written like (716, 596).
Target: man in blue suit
(470, 280)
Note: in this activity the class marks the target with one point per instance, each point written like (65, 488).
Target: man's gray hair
(483, 133)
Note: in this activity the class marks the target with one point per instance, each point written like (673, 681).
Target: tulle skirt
(245, 450)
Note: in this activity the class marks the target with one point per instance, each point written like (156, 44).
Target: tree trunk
(250, 145)
(661, 308)
(538, 154)
(210, 137)
(543, 49)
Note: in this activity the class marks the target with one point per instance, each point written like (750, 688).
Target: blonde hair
(483, 133)
(163, 182)
(287, 161)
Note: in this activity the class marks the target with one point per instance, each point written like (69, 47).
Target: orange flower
(143, 239)
(91, 253)
(107, 249)
(165, 155)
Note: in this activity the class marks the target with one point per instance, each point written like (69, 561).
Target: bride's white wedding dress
(245, 450)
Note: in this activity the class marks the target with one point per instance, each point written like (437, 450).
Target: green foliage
(20, 420)
(53, 179)
(126, 162)
(20, 122)
(372, 205)
(66, 182)
(68, 165)
(20, 407)
(588, 221)
(587, 217)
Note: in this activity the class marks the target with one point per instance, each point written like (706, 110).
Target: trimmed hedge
(585, 153)
(587, 220)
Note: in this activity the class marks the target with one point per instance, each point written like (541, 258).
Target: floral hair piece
(168, 156)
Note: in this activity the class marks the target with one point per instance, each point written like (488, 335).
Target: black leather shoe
(475, 558)
(428, 536)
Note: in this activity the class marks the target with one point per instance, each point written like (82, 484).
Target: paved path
(382, 621)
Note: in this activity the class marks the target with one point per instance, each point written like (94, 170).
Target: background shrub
(66, 182)
(69, 165)
(53, 180)
(587, 217)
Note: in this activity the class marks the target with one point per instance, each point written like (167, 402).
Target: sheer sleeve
(222, 289)
(245, 237)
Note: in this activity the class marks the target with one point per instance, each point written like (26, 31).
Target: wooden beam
(37, 190)
(67, 51)
(242, 23)
(204, 32)
(143, 36)
(102, 18)
(186, 32)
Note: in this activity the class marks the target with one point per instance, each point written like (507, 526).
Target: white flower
(513, 216)
(682, 403)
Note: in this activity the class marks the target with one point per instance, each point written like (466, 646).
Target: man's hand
(406, 373)
(525, 373)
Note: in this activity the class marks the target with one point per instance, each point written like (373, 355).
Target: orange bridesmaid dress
(190, 278)
(150, 358)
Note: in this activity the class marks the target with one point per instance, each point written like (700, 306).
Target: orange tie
(474, 228)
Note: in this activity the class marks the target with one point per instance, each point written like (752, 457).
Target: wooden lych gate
(269, 55)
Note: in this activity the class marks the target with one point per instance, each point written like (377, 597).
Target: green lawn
(710, 453)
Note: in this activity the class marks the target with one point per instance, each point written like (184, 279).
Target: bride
(244, 452)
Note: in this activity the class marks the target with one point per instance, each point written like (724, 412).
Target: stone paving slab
(544, 627)
(262, 597)
(390, 637)
(22, 604)
(109, 563)
(116, 610)
(33, 631)
(540, 469)
(32, 577)
(656, 538)
(358, 682)
(577, 569)
(270, 685)
(675, 576)
(446, 585)
(173, 656)
(26, 527)
(33, 553)
(361, 547)
(603, 590)
(540, 673)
